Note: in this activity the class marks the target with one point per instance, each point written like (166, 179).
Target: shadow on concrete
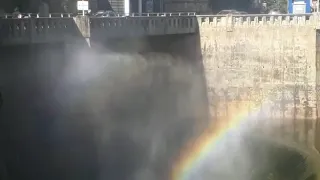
(61, 120)
(33, 30)
(317, 136)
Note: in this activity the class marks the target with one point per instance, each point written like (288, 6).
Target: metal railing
(256, 15)
(261, 17)
(35, 15)
(164, 14)
(68, 15)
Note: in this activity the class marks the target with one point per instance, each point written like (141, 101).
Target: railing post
(264, 20)
(271, 20)
(256, 20)
(280, 20)
(229, 23)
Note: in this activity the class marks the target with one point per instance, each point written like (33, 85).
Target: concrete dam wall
(266, 70)
(127, 108)
(267, 65)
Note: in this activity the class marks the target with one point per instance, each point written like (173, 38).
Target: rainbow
(198, 149)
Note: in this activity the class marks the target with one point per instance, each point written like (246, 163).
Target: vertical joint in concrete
(229, 23)
(83, 24)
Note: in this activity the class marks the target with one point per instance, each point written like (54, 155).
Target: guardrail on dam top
(260, 19)
(65, 28)
(64, 15)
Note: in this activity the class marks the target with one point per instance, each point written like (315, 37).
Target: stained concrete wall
(266, 67)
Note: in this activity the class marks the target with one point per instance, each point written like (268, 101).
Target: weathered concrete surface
(268, 66)
(60, 30)
(263, 72)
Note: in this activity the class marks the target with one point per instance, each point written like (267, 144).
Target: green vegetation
(280, 5)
